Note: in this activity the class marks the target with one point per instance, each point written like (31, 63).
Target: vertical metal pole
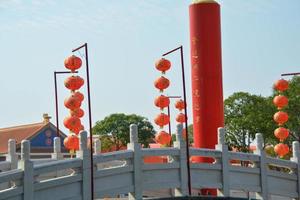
(186, 122)
(169, 114)
(90, 113)
(90, 119)
(56, 105)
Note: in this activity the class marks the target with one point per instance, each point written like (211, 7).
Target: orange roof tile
(18, 133)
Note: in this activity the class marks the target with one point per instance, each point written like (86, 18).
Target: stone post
(221, 146)
(27, 166)
(97, 147)
(182, 159)
(296, 159)
(57, 155)
(137, 164)
(84, 154)
(262, 166)
(12, 156)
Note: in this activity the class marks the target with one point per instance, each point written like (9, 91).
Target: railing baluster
(221, 146)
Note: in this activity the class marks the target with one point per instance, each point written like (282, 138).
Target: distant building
(39, 134)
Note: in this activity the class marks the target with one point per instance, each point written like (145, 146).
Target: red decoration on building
(77, 112)
(180, 118)
(281, 149)
(162, 119)
(162, 83)
(281, 85)
(79, 95)
(162, 102)
(72, 102)
(72, 63)
(180, 104)
(163, 65)
(163, 138)
(280, 101)
(74, 82)
(280, 117)
(71, 142)
(281, 133)
(72, 122)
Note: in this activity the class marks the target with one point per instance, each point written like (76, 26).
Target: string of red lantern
(73, 103)
(162, 83)
(281, 117)
(181, 118)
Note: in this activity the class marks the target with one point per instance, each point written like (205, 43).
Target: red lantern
(180, 105)
(72, 122)
(163, 138)
(77, 112)
(79, 95)
(161, 83)
(74, 82)
(162, 119)
(72, 102)
(281, 149)
(163, 65)
(281, 85)
(180, 118)
(280, 101)
(281, 133)
(72, 63)
(281, 117)
(162, 101)
(71, 142)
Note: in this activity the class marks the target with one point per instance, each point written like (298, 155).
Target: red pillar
(206, 60)
(207, 90)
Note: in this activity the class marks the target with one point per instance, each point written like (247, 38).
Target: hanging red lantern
(72, 122)
(72, 63)
(74, 82)
(161, 83)
(180, 104)
(79, 95)
(281, 149)
(181, 118)
(281, 133)
(78, 112)
(163, 138)
(281, 117)
(163, 65)
(162, 119)
(71, 142)
(72, 102)
(162, 101)
(280, 101)
(281, 85)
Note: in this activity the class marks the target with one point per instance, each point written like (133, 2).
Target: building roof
(23, 132)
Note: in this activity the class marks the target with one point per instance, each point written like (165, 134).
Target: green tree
(246, 115)
(117, 127)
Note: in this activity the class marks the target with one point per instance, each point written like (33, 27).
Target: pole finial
(203, 1)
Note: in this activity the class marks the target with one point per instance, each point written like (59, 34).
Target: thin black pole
(186, 121)
(56, 105)
(56, 98)
(169, 114)
(291, 74)
(90, 114)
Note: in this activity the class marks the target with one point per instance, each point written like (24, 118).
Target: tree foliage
(117, 127)
(246, 115)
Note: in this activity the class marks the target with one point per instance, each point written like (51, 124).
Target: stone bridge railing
(70, 178)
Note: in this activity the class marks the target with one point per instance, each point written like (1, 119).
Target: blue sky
(260, 40)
